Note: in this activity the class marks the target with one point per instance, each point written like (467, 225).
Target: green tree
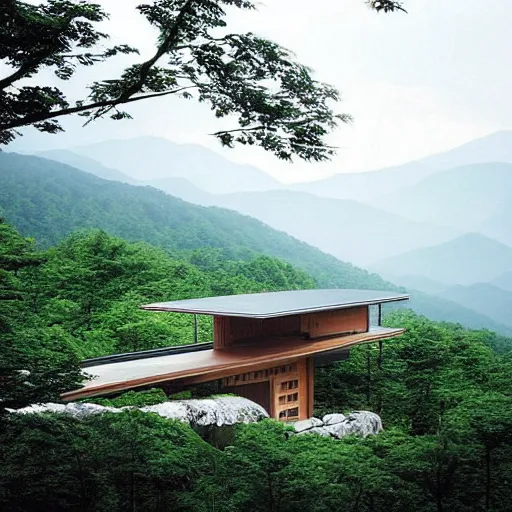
(36, 363)
(279, 105)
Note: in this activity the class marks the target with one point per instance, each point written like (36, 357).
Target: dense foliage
(444, 394)
(276, 101)
(90, 286)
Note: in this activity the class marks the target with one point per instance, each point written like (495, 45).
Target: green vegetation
(444, 393)
(89, 288)
(48, 201)
(284, 109)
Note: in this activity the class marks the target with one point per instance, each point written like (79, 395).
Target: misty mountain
(48, 200)
(485, 298)
(175, 186)
(349, 230)
(499, 226)
(503, 281)
(86, 164)
(365, 186)
(152, 158)
(420, 283)
(496, 147)
(464, 197)
(469, 259)
(182, 188)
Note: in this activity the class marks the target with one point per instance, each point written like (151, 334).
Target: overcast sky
(415, 83)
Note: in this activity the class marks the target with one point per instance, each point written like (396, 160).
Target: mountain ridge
(151, 158)
(458, 261)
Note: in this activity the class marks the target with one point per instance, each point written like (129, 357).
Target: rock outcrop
(215, 411)
(362, 423)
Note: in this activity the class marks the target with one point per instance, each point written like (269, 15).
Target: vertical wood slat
(303, 389)
(311, 385)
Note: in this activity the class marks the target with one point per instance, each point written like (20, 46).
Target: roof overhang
(275, 304)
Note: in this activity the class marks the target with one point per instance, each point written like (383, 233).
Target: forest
(443, 392)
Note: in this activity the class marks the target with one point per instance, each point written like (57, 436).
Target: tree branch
(36, 118)
(221, 132)
(19, 73)
(162, 49)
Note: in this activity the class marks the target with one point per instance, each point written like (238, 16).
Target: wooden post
(195, 328)
(311, 385)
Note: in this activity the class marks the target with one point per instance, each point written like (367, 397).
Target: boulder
(332, 419)
(320, 431)
(218, 411)
(302, 425)
(362, 423)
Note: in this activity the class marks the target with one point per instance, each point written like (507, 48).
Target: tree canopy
(277, 102)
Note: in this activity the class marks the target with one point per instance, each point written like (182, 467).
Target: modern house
(265, 347)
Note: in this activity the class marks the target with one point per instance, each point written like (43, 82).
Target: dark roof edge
(398, 298)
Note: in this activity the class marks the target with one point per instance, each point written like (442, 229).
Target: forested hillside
(443, 393)
(48, 200)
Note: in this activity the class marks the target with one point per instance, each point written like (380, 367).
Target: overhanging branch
(36, 118)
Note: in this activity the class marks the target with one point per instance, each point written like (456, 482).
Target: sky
(415, 83)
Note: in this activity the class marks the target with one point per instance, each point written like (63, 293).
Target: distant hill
(420, 283)
(468, 259)
(86, 164)
(445, 310)
(48, 200)
(503, 281)
(499, 226)
(349, 230)
(496, 147)
(153, 158)
(182, 188)
(364, 186)
(464, 197)
(485, 298)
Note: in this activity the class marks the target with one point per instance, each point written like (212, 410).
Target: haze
(416, 83)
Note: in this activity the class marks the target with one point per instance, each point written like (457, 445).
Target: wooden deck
(210, 365)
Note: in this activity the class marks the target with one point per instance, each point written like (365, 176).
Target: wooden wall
(326, 323)
(229, 331)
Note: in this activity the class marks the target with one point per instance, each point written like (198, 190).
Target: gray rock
(218, 411)
(362, 423)
(302, 425)
(332, 419)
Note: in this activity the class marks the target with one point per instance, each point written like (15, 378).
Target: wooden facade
(286, 391)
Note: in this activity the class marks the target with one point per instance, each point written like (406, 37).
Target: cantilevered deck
(208, 365)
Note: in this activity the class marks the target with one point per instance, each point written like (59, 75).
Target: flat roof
(213, 364)
(273, 304)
